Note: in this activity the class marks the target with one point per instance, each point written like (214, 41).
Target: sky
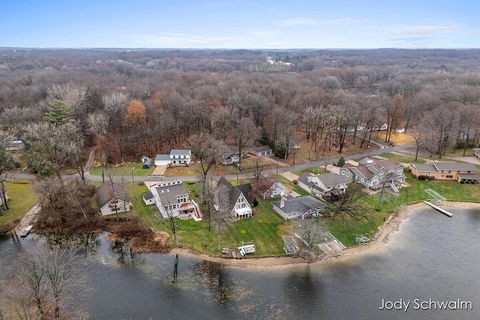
(240, 24)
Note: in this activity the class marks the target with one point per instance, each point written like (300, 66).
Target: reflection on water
(430, 257)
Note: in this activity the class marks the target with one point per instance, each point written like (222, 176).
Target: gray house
(111, 199)
(169, 197)
(324, 184)
(261, 151)
(301, 207)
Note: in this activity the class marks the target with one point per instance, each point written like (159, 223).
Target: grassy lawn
(287, 183)
(402, 157)
(346, 230)
(264, 229)
(22, 198)
(125, 169)
(310, 170)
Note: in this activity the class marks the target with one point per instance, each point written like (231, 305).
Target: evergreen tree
(59, 112)
(341, 162)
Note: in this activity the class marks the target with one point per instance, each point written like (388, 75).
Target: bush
(280, 151)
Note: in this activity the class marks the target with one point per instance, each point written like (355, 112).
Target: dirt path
(90, 160)
(30, 217)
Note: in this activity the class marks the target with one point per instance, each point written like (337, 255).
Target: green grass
(123, 170)
(346, 229)
(21, 199)
(264, 229)
(310, 170)
(402, 158)
(292, 186)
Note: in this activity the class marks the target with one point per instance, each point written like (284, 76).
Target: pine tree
(59, 112)
(341, 162)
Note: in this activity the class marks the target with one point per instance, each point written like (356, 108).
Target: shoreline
(381, 239)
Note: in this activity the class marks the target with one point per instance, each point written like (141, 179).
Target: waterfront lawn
(347, 229)
(264, 229)
(21, 199)
(125, 169)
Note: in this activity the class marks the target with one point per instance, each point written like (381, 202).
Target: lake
(431, 256)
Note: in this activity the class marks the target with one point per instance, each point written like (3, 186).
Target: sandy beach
(381, 239)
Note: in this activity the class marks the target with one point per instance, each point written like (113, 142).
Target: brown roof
(388, 164)
(365, 172)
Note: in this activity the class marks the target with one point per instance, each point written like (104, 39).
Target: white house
(111, 199)
(324, 184)
(177, 157)
(180, 157)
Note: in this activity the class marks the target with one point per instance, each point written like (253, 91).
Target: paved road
(302, 166)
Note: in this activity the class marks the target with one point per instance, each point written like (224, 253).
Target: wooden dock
(441, 210)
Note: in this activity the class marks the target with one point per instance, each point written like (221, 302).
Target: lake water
(431, 256)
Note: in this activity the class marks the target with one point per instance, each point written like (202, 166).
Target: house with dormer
(169, 196)
(324, 185)
(375, 173)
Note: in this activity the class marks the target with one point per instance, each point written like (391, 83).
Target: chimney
(282, 202)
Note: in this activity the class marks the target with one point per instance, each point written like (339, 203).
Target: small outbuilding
(148, 198)
(148, 163)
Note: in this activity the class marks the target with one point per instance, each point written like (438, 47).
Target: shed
(148, 164)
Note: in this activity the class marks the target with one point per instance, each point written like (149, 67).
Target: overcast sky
(241, 24)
